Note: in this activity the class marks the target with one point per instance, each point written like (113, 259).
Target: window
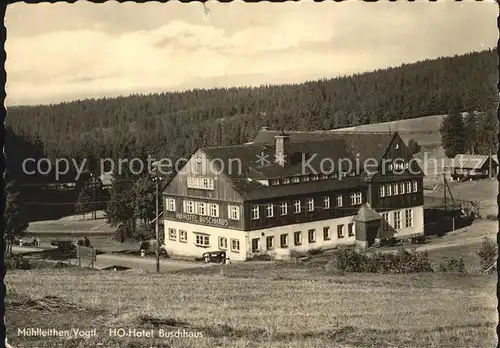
(324, 176)
(183, 236)
(310, 204)
(275, 181)
(305, 178)
(402, 188)
(200, 183)
(326, 201)
(283, 208)
(297, 238)
(311, 234)
(284, 240)
(314, 177)
(339, 200)
(255, 245)
(255, 212)
(326, 233)
(395, 189)
(214, 210)
(222, 243)
(170, 204)
(286, 180)
(385, 221)
(340, 231)
(270, 243)
(295, 179)
(356, 198)
(350, 229)
(201, 208)
(382, 191)
(202, 240)
(269, 210)
(399, 166)
(409, 218)
(408, 186)
(233, 212)
(189, 207)
(397, 220)
(296, 207)
(388, 190)
(172, 234)
(389, 166)
(235, 245)
(415, 186)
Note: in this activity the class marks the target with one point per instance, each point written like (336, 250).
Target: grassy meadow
(255, 305)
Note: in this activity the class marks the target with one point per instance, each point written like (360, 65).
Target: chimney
(282, 142)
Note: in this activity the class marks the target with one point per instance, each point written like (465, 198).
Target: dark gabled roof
(366, 144)
(312, 153)
(472, 161)
(366, 214)
(321, 150)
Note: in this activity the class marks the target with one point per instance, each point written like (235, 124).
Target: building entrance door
(371, 234)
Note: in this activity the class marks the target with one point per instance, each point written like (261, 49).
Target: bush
(17, 262)
(417, 240)
(452, 265)
(487, 253)
(350, 261)
(316, 251)
(389, 242)
(261, 257)
(401, 262)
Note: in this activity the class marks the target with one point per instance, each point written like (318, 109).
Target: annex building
(290, 190)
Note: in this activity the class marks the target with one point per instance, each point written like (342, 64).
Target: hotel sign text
(202, 219)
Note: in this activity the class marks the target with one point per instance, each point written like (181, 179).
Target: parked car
(150, 247)
(214, 256)
(63, 244)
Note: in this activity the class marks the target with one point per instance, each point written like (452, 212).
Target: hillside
(176, 124)
(254, 305)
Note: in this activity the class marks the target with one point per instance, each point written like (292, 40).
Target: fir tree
(413, 147)
(121, 206)
(470, 133)
(83, 205)
(453, 133)
(488, 141)
(16, 221)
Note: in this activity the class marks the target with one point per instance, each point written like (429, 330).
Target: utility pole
(157, 179)
(444, 189)
(490, 169)
(94, 214)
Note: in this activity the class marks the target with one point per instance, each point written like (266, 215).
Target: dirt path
(148, 264)
(450, 244)
(137, 262)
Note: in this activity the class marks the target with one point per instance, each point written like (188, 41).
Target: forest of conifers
(176, 124)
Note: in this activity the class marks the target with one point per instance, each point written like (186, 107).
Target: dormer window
(295, 179)
(324, 176)
(314, 177)
(286, 180)
(275, 181)
(305, 178)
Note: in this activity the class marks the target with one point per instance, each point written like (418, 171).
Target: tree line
(173, 125)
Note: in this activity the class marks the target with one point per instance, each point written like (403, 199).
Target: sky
(61, 52)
